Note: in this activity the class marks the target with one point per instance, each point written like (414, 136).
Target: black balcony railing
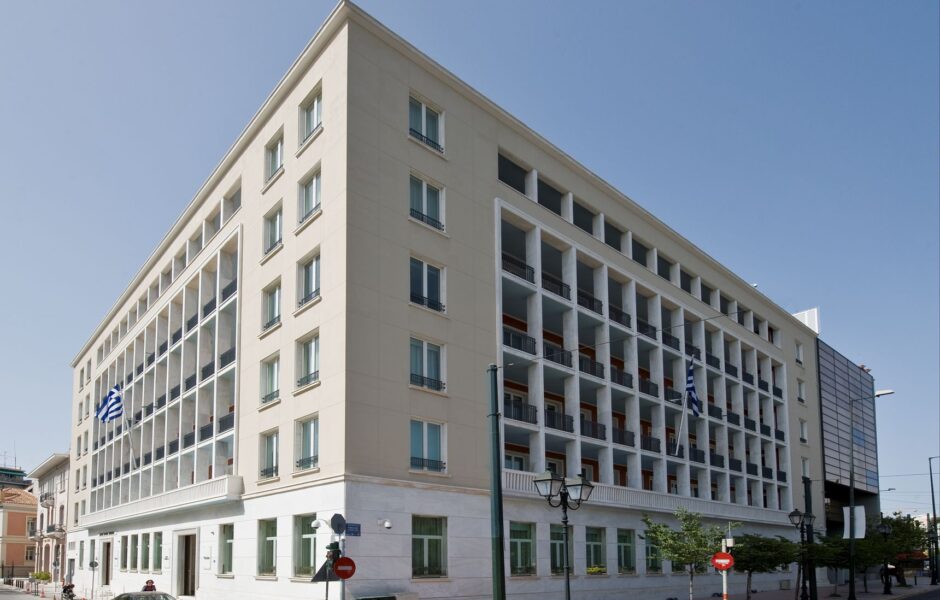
(205, 432)
(712, 360)
(623, 437)
(427, 464)
(148, 409)
(208, 369)
(226, 358)
(189, 439)
(161, 350)
(138, 416)
(646, 329)
(521, 411)
(94, 445)
(620, 377)
(734, 418)
(431, 303)
(230, 288)
(765, 429)
(750, 424)
(161, 401)
(714, 411)
(173, 447)
(648, 387)
(649, 443)
(425, 140)
(208, 307)
(716, 460)
(778, 392)
(426, 219)
(191, 322)
(691, 350)
(674, 449)
(767, 472)
(274, 244)
(556, 354)
(270, 396)
(518, 267)
(129, 378)
(190, 382)
(127, 468)
(313, 210)
(159, 452)
(752, 469)
(778, 433)
(518, 340)
(593, 429)
(588, 301)
(670, 340)
(697, 455)
(308, 378)
(673, 396)
(617, 315)
(560, 421)
(151, 358)
(556, 285)
(763, 385)
(177, 335)
(590, 366)
(148, 458)
(731, 369)
(307, 462)
(226, 422)
(734, 464)
(747, 377)
(782, 476)
(271, 322)
(427, 382)
(309, 297)
(268, 472)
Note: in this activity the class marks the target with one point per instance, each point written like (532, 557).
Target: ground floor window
(522, 548)
(428, 546)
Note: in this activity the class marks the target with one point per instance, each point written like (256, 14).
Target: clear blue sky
(806, 133)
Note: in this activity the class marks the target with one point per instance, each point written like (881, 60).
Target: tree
(907, 537)
(832, 552)
(759, 554)
(691, 546)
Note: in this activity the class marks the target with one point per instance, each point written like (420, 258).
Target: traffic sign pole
(724, 574)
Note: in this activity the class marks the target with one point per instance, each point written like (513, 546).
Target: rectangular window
(226, 540)
(626, 556)
(311, 116)
(305, 545)
(804, 467)
(804, 431)
(426, 203)
(267, 547)
(426, 285)
(274, 157)
(308, 355)
(269, 449)
(512, 174)
(639, 252)
(133, 553)
(522, 548)
(557, 546)
(582, 217)
(124, 547)
(799, 353)
(595, 547)
(425, 124)
(81, 555)
(426, 365)
(145, 552)
(309, 280)
(654, 561)
(426, 446)
(270, 374)
(309, 197)
(273, 230)
(800, 390)
(157, 551)
(308, 441)
(272, 306)
(428, 546)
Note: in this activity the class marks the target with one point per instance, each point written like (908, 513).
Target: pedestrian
(149, 586)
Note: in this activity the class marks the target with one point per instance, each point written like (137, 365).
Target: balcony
(778, 392)
(590, 366)
(426, 219)
(731, 369)
(227, 358)
(752, 469)
(588, 301)
(692, 351)
(173, 447)
(309, 297)
(778, 433)
(734, 418)
(697, 455)
(716, 460)
(129, 378)
(148, 458)
(782, 476)
(163, 348)
(559, 421)
(229, 289)
(207, 370)
(518, 341)
(161, 401)
(521, 411)
(670, 340)
(556, 354)
(138, 416)
(427, 464)
(33, 534)
(556, 286)
(47, 500)
(673, 396)
(270, 396)
(767, 472)
(205, 432)
(210, 492)
(649, 388)
(763, 385)
(677, 450)
(621, 378)
(151, 358)
(618, 316)
(191, 322)
(747, 377)
(714, 411)
(426, 140)
(189, 439)
(159, 452)
(649, 443)
(307, 462)
(623, 437)
(646, 329)
(712, 360)
(518, 267)
(208, 307)
(593, 429)
(139, 369)
(268, 472)
(190, 382)
(312, 377)
(226, 422)
(148, 409)
(750, 424)
(55, 531)
(177, 335)
(765, 430)
(734, 464)
(276, 319)
(426, 302)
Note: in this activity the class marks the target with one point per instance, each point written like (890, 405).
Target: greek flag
(112, 406)
(694, 402)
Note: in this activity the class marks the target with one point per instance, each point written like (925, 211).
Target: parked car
(145, 596)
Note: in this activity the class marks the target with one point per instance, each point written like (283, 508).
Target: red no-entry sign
(344, 567)
(722, 561)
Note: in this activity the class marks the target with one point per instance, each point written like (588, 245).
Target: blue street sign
(353, 529)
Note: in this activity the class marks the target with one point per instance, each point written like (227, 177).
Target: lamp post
(802, 521)
(571, 492)
(932, 533)
(885, 530)
(878, 394)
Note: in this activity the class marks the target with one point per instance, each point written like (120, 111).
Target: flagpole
(685, 416)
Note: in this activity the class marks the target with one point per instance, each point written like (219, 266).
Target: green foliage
(831, 551)
(597, 570)
(759, 554)
(907, 535)
(41, 575)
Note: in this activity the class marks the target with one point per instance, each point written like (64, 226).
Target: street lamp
(802, 521)
(878, 394)
(885, 530)
(571, 492)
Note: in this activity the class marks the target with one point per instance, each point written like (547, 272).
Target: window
(557, 546)
(273, 229)
(799, 353)
(522, 548)
(516, 461)
(594, 547)
(309, 197)
(428, 546)
(424, 124)
(272, 306)
(80, 411)
(426, 365)
(267, 547)
(582, 217)
(800, 390)
(226, 541)
(426, 203)
(274, 157)
(426, 444)
(804, 431)
(512, 174)
(654, 561)
(157, 551)
(426, 285)
(124, 546)
(804, 467)
(30, 553)
(133, 553)
(308, 355)
(83, 507)
(270, 372)
(269, 455)
(309, 276)
(81, 555)
(145, 552)
(626, 555)
(639, 252)
(311, 114)
(305, 545)
(308, 441)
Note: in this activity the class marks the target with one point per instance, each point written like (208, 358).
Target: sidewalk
(875, 589)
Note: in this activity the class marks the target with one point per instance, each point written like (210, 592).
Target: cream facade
(312, 335)
(51, 480)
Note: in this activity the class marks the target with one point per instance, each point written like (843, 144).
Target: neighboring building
(17, 528)
(51, 479)
(312, 336)
(13, 477)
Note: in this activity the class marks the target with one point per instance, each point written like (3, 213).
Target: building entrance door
(105, 563)
(186, 565)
